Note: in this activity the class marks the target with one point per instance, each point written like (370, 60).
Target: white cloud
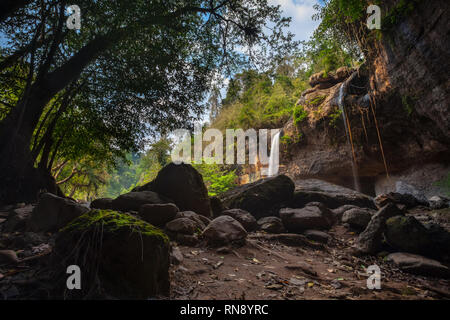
(301, 11)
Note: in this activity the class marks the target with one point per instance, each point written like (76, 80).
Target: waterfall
(274, 155)
(347, 134)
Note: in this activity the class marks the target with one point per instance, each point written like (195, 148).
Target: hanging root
(372, 103)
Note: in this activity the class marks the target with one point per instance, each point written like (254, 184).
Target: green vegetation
(217, 178)
(408, 104)
(299, 114)
(444, 184)
(112, 221)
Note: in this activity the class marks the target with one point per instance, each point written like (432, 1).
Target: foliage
(299, 114)
(217, 178)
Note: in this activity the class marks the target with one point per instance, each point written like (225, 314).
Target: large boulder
(331, 195)
(261, 198)
(403, 200)
(405, 233)
(416, 264)
(244, 218)
(313, 216)
(132, 201)
(184, 185)
(358, 218)
(370, 240)
(224, 230)
(120, 257)
(158, 214)
(271, 225)
(53, 212)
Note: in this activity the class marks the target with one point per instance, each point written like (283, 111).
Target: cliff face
(397, 105)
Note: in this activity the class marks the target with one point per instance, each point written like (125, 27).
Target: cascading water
(274, 155)
(347, 134)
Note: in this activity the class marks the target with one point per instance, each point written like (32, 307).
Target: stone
(331, 195)
(406, 234)
(53, 212)
(102, 203)
(309, 217)
(261, 198)
(184, 185)
(417, 264)
(216, 206)
(437, 202)
(318, 236)
(184, 226)
(271, 225)
(357, 218)
(132, 201)
(131, 263)
(370, 240)
(403, 200)
(202, 220)
(158, 214)
(224, 230)
(18, 218)
(339, 211)
(244, 218)
(8, 257)
(176, 256)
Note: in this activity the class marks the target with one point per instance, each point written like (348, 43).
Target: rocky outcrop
(53, 213)
(261, 198)
(396, 106)
(182, 184)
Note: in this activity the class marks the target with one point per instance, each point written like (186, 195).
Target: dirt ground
(269, 270)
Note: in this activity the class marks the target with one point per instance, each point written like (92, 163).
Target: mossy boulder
(407, 234)
(120, 256)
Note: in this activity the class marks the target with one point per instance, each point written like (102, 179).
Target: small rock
(8, 256)
(102, 203)
(437, 202)
(244, 217)
(224, 230)
(317, 235)
(271, 225)
(416, 264)
(309, 217)
(357, 218)
(176, 256)
(204, 221)
(184, 226)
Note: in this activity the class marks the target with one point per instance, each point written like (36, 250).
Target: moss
(408, 104)
(334, 117)
(112, 221)
(299, 114)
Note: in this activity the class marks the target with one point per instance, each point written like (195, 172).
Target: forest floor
(266, 269)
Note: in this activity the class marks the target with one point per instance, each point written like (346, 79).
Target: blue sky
(301, 12)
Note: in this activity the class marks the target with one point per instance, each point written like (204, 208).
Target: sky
(301, 12)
